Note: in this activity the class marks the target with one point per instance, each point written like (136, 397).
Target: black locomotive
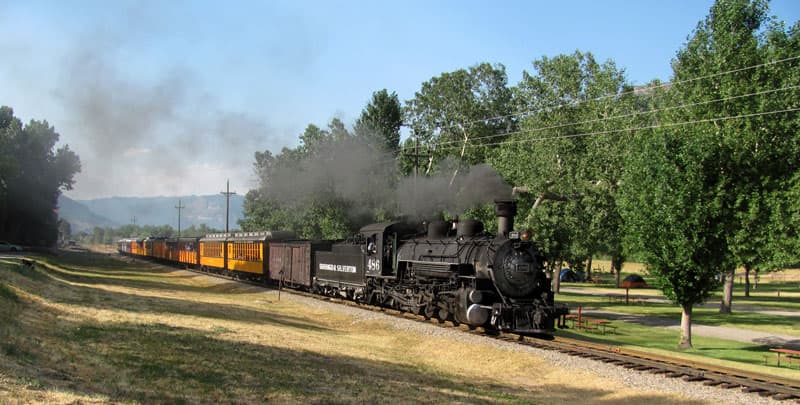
(455, 271)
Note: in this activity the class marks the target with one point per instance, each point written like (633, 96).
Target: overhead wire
(556, 107)
(596, 120)
(666, 125)
(579, 102)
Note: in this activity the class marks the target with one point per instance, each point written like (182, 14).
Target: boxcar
(291, 263)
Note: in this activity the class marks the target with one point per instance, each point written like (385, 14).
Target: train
(450, 270)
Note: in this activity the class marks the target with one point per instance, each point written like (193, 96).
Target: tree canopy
(699, 191)
(33, 172)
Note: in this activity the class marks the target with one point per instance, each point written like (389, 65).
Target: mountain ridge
(84, 215)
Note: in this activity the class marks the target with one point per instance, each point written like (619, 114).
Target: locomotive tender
(454, 271)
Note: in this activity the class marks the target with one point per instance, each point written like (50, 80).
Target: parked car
(9, 247)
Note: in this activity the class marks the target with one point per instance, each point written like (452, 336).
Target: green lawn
(661, 339)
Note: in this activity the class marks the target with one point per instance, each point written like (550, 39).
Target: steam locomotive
(452, 271)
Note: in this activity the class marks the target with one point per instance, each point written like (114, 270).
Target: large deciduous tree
(32, 175)
(698, 192)
(380, 121)
(461, 114)
(568, 152)
(726, 69)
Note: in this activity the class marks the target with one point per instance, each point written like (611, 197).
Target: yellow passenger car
(248, 252)
(137, 247)
(183, 250)
(213, 252)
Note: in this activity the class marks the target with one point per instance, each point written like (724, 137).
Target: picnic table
(600, 323)
(590, 323)
(791, 356)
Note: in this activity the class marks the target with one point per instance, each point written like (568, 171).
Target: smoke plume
(355, 172)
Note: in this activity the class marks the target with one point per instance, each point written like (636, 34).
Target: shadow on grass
(84, 295)
(139, 279)
(156, 363)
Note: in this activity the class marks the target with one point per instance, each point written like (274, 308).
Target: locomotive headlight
(525, 235)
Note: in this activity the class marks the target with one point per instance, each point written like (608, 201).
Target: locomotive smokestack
(505, 209)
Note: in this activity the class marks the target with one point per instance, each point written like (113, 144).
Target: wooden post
(626, 295)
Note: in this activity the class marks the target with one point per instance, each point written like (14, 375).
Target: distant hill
(80, 216)
(115, 211)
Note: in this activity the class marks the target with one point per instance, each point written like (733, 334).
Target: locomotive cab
(379, 246)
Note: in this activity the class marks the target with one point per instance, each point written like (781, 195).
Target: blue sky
(172, 98)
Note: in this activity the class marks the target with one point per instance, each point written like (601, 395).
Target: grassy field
(87, 328)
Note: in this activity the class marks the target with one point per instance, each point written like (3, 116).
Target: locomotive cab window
(371, 248)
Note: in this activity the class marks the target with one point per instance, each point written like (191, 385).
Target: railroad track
(749, 382)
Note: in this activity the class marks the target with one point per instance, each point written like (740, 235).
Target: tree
(696, 183)
(572, 151)
(671, 205)
(380, 122)
(758, 151)
(32, 176)
(456, 113)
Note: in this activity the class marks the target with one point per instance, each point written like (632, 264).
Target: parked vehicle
(9, 247)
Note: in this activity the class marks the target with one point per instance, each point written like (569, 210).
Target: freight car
(448, 270)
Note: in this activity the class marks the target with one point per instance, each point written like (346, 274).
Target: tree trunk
(727, 293)
(755, 280)
(589, 269)
(616, 267)
(686, 328)
(557, 278)
(746, 280)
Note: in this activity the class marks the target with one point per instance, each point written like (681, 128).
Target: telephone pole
(227, 194)
(179, 207)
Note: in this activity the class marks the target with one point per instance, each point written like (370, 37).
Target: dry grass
(92, 329)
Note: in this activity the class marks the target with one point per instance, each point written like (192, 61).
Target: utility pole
(179, 207)
(227, 193)
(416, 157)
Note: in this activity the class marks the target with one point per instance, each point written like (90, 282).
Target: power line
(611, 131)
(666, 84)
(596, 133)
(719, 100)
(538, 129)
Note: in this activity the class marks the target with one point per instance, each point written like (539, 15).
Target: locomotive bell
(505, 210)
